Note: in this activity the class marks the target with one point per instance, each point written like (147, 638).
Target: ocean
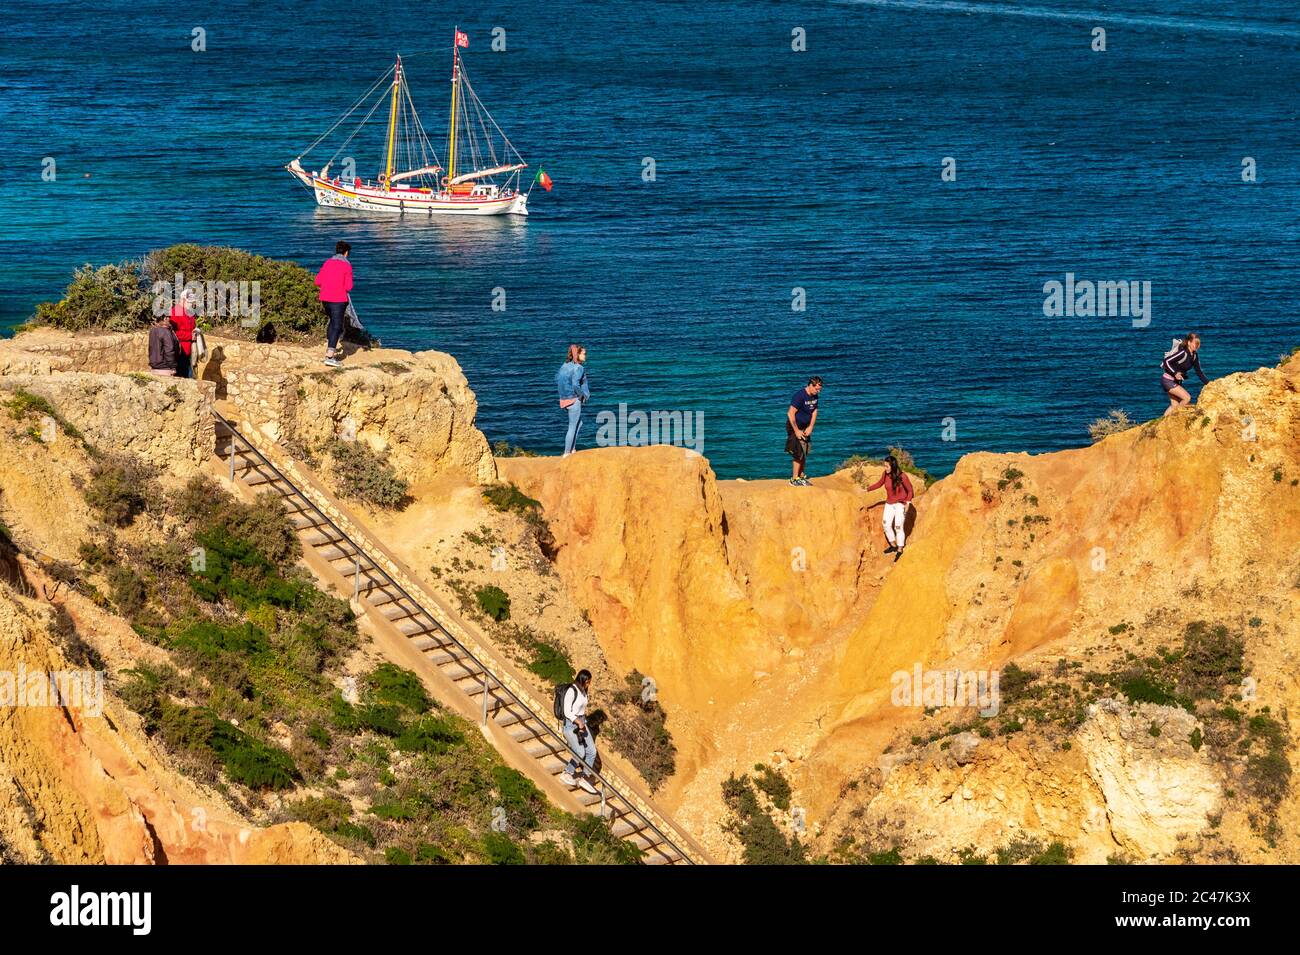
(781, 177)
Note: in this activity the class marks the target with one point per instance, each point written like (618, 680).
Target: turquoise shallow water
(775, 170)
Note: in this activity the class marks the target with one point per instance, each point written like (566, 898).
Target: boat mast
(392, 124)
(455, 84)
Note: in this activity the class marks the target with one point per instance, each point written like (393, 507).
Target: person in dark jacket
(1179, 360)
(164, 348)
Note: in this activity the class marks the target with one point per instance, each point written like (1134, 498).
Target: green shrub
(1014, 682)
(1141, 687)
(393, 684)
(504, 449)
(508, 498)
(398, 811)
(120, 488)
(594, 843)
(209, 639)
(127, 591)
(888, 857)
(430, 734)
(642, 734)
(323, 812)
(1213, 659)
(250, 761)
(522, 801)
(761, 839)
(429, 854)
(772, 782)
(359, 833)
(110, 298)
(502, 850)
(365, 474)
(494, 602)
(551, 663)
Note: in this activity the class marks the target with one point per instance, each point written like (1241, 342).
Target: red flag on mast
(462, 39)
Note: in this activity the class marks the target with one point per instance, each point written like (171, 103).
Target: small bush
(364, 474)
(1213, 659)
(110, 298)
(500, 849)
(508, 497)
(432, 734)
(393, 684)
(772, 782)
(522, 801)
(504, 449)
(888, 857)
(120, 488)
(760, 837)
(594, 843)
(1113, 423)
(494, 602)
(551, 663)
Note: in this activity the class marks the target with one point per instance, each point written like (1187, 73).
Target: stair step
(304, 520)
(530, 731)
(424, 642)
(398, 609)
(382, 595)
(324, 534)
(413, 627)
(543, 748)
(511, 718)
(333, 552)
(463, 670)
(253, 477)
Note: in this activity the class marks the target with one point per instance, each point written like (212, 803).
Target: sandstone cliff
(774, 625)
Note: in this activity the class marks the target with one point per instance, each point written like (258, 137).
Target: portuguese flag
(544, 179)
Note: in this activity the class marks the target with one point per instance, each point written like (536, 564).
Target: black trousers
(336, 312)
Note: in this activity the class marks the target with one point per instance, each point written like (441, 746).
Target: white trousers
(893, 518)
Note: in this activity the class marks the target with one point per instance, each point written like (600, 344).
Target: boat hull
(342, 194)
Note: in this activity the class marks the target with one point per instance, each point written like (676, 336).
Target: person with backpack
(571, 382)
(898, 495)
(571, 709)
(800, 418)
(335, 282)
(1180, 359)
(164, 349)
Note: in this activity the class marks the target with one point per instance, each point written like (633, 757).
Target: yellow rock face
(773, 624)
(82, 786)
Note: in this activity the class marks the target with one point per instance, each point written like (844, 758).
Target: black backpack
(560, 692)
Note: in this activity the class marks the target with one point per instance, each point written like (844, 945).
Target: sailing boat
(482, 175)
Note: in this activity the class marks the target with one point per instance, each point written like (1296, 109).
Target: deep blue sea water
(775, 170)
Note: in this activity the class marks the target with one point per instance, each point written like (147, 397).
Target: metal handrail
(374, 566)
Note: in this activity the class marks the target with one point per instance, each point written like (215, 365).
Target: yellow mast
(455, 83)
(392, 125)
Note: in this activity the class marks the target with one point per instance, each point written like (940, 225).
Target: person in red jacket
(183, 321)
(335, 282)
(898, 494)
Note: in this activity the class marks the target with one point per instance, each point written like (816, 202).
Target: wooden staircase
(497, 697)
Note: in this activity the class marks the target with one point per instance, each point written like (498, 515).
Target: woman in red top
(898, 494)
(182, 322)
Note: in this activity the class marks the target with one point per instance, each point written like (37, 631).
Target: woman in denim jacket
(571, 382)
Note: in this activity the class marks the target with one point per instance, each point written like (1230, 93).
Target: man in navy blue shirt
(799, 421)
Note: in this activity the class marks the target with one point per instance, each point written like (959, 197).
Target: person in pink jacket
(335, 282)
